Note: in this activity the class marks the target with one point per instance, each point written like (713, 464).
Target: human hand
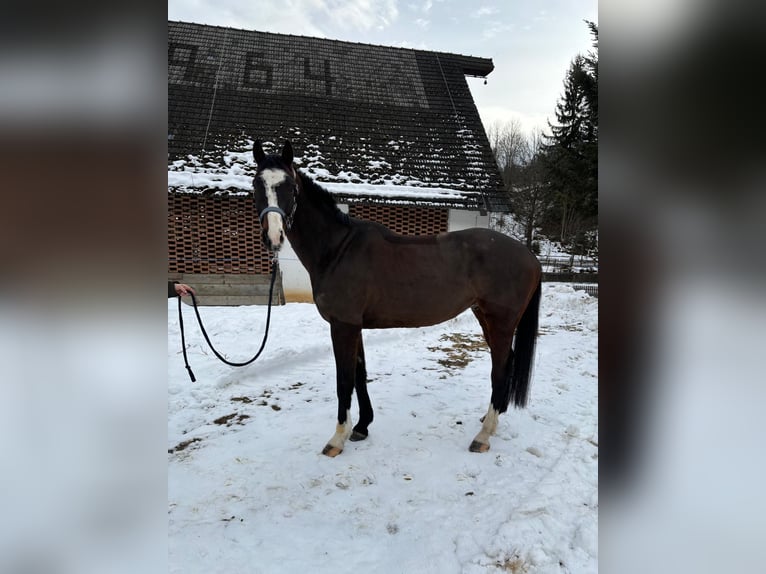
(183, 289)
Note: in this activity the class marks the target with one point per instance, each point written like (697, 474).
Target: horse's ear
(258, 151)
(287, 153)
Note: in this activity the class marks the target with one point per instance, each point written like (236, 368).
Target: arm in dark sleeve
(172, 289)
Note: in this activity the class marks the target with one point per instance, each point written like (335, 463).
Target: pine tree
(570, 155)
(591, 81)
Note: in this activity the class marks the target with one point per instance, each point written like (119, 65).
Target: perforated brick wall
(222, 234)
(406, 220)
(215, 235)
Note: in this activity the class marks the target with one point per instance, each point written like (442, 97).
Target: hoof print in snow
(535, 451)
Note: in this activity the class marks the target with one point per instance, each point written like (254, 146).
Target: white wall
(461, 219)
(295, 279)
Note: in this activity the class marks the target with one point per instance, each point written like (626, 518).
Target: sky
(250, 491)
(530, 42)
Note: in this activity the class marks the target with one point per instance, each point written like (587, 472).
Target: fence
(580, 271)
(590, 288)
(568, 264)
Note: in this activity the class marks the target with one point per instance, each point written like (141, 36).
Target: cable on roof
(446, 85)
(215, 89)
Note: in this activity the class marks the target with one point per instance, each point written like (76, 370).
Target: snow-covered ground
(249, 491)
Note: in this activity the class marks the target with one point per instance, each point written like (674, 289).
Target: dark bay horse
(364, 276)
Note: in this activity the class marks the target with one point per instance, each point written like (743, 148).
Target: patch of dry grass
(459, 349)
(513, 564)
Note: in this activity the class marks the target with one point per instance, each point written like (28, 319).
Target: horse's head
(275, 186)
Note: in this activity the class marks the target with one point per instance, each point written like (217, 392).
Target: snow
(234, 174)
(243, 184)
(252, 493)
(394, 191)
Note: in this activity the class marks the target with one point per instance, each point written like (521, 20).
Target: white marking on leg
(489, 426)
(342, 432)
(271, 179)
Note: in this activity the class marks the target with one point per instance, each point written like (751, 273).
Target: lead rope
(204, 333)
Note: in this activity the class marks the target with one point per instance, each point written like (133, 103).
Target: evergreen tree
(570, 156)
(591, 81)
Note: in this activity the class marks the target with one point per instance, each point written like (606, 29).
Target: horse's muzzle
(273, 234)
(272, 222)
(272, 245)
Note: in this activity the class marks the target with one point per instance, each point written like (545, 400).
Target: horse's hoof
(357, 436)
(331, 451)
(477, 446)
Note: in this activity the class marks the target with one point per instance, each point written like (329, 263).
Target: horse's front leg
(345, 344)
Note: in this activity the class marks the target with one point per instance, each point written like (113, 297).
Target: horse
(365, 276)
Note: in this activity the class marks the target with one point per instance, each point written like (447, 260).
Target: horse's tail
(524, 352)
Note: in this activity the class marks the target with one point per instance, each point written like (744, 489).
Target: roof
(355, 113)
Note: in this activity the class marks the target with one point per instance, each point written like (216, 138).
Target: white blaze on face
(271, 180)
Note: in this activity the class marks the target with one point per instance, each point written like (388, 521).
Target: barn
(392, 133)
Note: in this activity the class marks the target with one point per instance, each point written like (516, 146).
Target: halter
(276, 209)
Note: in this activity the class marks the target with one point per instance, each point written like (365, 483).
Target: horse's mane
(316, 194)
(321, 198)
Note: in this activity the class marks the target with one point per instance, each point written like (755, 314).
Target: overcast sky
(531, 42)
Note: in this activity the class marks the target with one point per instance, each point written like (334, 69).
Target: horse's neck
(316, 233)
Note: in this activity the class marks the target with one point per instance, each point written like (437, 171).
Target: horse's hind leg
(498, 332)
(365, 406)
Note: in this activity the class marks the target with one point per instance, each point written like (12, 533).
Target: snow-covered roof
(367, 122)
(233, 175)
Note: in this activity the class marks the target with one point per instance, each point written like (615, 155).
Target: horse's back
(490, 248)
(481, 236)
(501, 269)
(465, 252)
(473, 237)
